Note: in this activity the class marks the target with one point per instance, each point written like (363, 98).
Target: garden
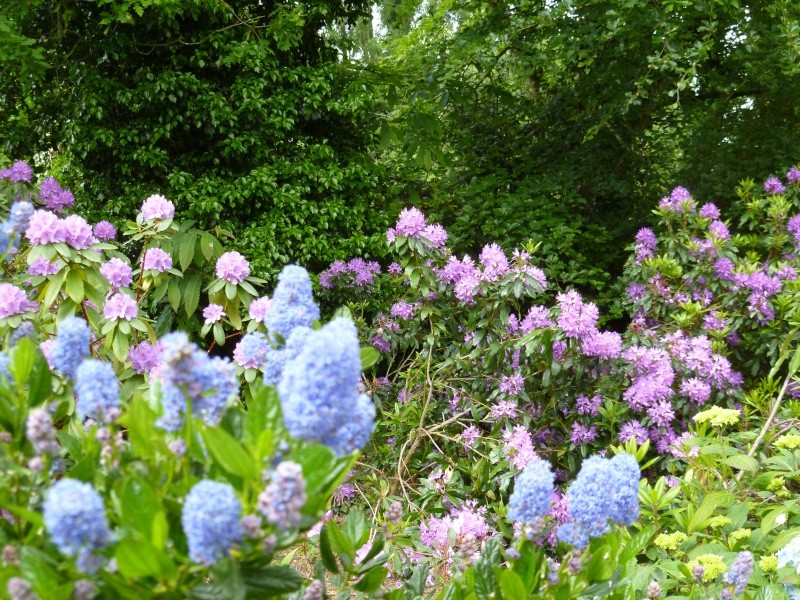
(386, 326)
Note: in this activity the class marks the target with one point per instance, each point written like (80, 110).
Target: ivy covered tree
(241, 112)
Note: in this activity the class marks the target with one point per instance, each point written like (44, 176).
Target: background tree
(240, 112)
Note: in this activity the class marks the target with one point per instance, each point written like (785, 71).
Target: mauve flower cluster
(19, 171)
(155, 259)
(411, 224)
(157, 207)
(213, 313)
(460, 523)
(53, 196)
(259, 308)
(355, 272)
(44, 227)
(117, 272)
(679, 201)
(120, 306)
(14, 301)
(252, 350)
(233, 267)
(284, 497)
(145, 357)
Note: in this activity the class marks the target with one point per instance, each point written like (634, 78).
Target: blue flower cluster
(276, 358)
(318, 390)
(740, 571)
(533, 491)
(97, 391)
(285, 496)
(71, 345)
(210, 520)
(189, 375)
(292, 303)
(605, 491)
(75, 518)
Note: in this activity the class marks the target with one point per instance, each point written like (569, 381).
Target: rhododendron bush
(169, 429)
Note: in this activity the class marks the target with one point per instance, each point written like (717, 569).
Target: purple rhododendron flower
(402, 310)
(120, 306)
(709, 211)
(411, 222)
(645, 237)
(773, 186)
(259, 308)
(53, 196)
(587, 406)
(103, 230)
(576, 318)
(155, 259)
(19, 171)
(118, 273)
(78, 232)
(233, 267)
(145, 357)
(41, 266)
(14, 301)
(494, 261)
(157, 207)
(719, 230)
(45, 228)
(213, 313)
(603, 344)
(518, 446)
(793, 175)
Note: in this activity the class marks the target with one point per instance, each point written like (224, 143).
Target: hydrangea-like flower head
(233, 267)
(120, 306)
(157, 207)
(156, 259)
(117, 272)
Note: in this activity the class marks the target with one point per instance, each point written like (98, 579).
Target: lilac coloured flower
(588, 406)
(709, 211)
(103, 230)
(633, 430)
(380, 343)
(410, 223)
(576, 318)
(503, 409)
(117, 272)
(20, 171)
(120, 306)
(157, 207)
(189, 376)
(43, 267)
(213, 313)
(77, 232)
(75, 519)
(582, 434)
(251, 351)
(53, 196)
(402, 310)
(14, 301)
(395, 269)
(719, 230)
(645, 237)
(45, 228)
(328, 277)
(773, 186)
(602, 344)
(40, 432)
(518, 446)
(435, 234)
(466, 287)
(661, 413)
(793, 175)
(713, 322)
(636, 292)
(233, 267)
(512, 384)
(211, 521)
(494, 261)
(292, 303)
(363, 271)
(318, 390)
(469, 436)
(538, 317)
(723, 268)
(71, 345)
(96, 391)
(259, 308)
(155, 259)
(145, 357)
(437, 532)
(283, 499)
(533, 492)
(455, 270)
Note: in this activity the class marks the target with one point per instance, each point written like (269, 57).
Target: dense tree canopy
(240, 112)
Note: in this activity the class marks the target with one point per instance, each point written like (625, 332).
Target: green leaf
(372, 580)
(356, 528)
(271, 581)
(192, 295)
(229, 453)
(512, 586)
(139, 506)
(137, 559)
(710, 504)
(21, 360)
(369, 357)
(186, 249)
(74, 286)
(741, 462)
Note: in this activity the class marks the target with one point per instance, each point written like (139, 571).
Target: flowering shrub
(135, 462)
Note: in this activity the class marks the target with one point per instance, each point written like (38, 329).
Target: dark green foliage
(238, 112)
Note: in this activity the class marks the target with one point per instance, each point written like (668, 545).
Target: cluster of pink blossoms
(233, 267)
(45, 227)
(14, 301)
(157, 207)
